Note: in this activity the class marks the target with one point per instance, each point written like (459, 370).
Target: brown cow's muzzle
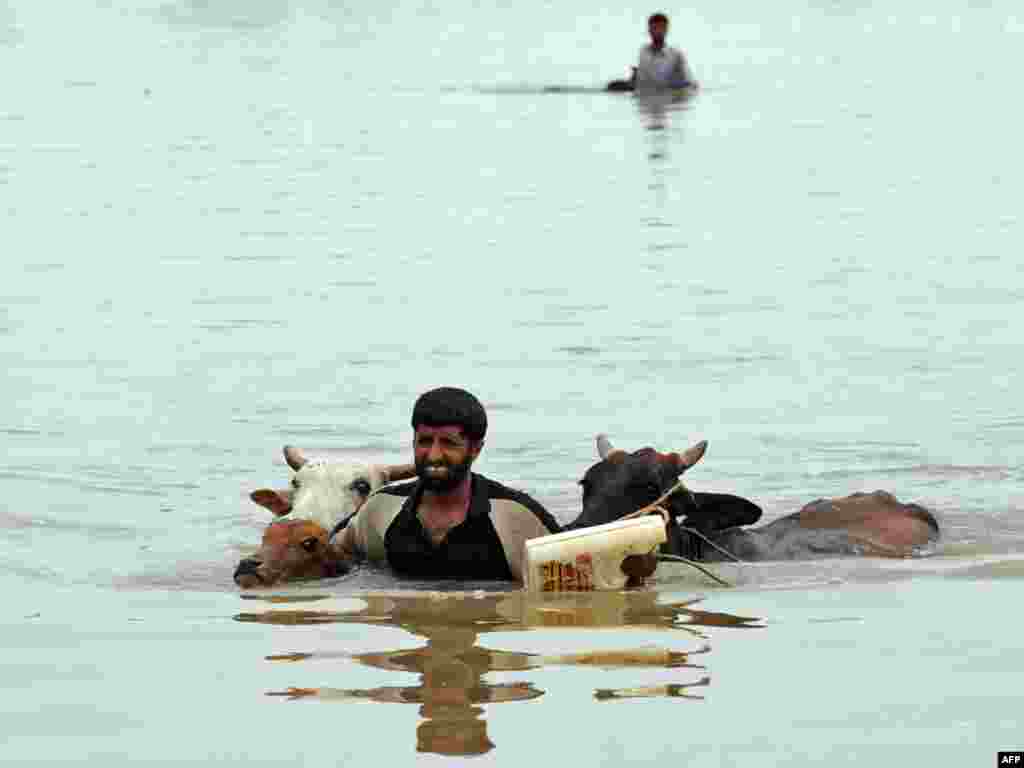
(247, 574)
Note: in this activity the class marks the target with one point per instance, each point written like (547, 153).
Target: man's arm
(344, 542)
(682, 75)
(517, 517)
(363, 537)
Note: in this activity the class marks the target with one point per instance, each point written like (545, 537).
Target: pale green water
(918, 673)
(226, 226)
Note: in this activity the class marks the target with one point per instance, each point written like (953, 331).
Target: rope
(706, 540)
(707, 572)
(650, 509)
(656, 507)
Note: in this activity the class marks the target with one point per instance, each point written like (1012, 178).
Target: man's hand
(639, 567)
(343, 545)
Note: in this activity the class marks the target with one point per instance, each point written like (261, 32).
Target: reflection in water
(655, 108)
(652, 691)
(451, 687)
(451, 665)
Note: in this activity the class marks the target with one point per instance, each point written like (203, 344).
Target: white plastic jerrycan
(590, 558)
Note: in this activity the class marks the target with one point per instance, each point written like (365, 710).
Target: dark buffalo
(705, 524)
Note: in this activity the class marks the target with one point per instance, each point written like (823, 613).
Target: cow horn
(296, 460)
(691, 455)
(398, 472)
(605, 449)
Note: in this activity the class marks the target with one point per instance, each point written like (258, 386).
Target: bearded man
(450, 523)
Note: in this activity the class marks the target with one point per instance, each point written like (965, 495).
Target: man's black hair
(450, 406)
(657, 17)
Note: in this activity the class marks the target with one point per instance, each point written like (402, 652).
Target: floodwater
(227, 226)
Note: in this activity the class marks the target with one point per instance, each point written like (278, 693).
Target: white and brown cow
(322, 496)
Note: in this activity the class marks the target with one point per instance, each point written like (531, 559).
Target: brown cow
(322, 496)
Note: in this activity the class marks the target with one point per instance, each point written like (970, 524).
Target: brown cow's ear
(278, 502)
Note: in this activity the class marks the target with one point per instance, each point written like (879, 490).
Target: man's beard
(456, 474)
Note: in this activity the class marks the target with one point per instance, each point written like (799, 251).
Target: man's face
(443, 456)
(658, 30)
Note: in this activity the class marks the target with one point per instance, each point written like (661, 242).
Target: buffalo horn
(605, 449)
(691, 455)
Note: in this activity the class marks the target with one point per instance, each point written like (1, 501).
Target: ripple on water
(230, 301)
(15, 522)
(954, 471)
(1008, 423)
(667, 247)
(576, 308)
(544, 291)
(552, 324)
(258, 257)
(226, 326)
(310, 430)
(29, 432)
(357, 449)
(509, 407)
(45, 267)
(117, 479)
(30, 573)
(242, 17)
(354, 283)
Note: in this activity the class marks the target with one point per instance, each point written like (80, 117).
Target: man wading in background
(660, 65)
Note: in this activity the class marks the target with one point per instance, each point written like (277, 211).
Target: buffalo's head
(621, 483)
(322, 495)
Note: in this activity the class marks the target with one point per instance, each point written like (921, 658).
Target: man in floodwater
(451, 523)
(660, 65)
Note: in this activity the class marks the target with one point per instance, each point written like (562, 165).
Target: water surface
(228, 226)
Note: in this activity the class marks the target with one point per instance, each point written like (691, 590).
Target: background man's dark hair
(447, 406)
(656, 17)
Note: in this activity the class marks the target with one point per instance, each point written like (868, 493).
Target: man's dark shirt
(488, 545)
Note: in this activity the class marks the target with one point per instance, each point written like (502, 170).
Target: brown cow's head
(321, 496)
(290, 550)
